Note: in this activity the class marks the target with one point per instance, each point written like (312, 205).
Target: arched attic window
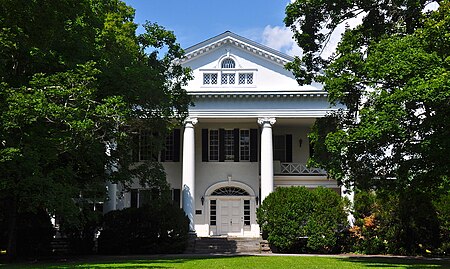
(228, 63)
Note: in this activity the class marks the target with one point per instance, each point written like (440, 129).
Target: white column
(350, 195)
(188, 176)
(111, 188)
(266, 156)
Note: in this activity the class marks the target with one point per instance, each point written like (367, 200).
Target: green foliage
(392, 74)
(81, 228)
(75, 79)
(405, 224)
(155, 228)
(35, 234)
(442, 205)
(297, 219)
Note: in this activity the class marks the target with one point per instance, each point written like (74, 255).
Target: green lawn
(224, 262)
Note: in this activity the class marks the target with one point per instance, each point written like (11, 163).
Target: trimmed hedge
(301, 220)
(155, 228)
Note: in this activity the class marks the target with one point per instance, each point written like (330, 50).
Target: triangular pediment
(231, 39)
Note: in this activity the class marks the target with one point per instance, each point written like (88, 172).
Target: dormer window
(228, 63)
(229, 73)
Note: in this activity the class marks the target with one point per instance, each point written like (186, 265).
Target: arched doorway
(231, 209)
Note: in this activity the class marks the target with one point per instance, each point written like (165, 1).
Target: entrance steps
(225, 245)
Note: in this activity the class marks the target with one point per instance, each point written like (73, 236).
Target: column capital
(267, 120)
(190, 122)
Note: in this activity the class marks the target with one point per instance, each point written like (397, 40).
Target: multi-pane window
(212, 212)
(228, 78)
(146, 146)
(244, 145)
(213, 145)
(246, 78)
(229, 145)
(210, 78)
(247, 212)
(228, 63)
(169, 152)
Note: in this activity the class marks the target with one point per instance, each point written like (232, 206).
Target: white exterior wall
(267, 76)
(274, 94)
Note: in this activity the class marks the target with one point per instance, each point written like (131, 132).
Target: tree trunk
(11, 250)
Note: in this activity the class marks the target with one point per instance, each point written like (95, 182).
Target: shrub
(155, 228)
(297, 219)
(80, 229)
(34, 234)
(395, 223)
(442, 205)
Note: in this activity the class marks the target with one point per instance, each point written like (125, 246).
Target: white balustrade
(300, 168)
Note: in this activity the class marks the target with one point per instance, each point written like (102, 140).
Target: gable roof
(239, 42)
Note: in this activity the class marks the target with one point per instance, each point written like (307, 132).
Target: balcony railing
(296, 169)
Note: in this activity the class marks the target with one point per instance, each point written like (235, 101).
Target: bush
(155, 228)
(298, 220)
(395, 223)
(34, 234)
(80, 229)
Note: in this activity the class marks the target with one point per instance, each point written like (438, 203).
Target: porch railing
(297, 169)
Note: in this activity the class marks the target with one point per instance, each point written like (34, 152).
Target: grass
(241, 262)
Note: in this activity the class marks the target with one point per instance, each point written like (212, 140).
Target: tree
(392, 74)
(75, 78)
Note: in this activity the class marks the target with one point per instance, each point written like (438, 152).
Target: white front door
(231, 216)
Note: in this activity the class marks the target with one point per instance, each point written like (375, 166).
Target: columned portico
(188, 172)
(266, 156)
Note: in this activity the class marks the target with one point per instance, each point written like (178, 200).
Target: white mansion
(246, 135)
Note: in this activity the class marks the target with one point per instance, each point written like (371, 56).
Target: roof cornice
(239, 42)
(281, 94)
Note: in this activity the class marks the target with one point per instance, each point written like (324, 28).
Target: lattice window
(228, 63)
(228, 78)
(209, 78)
(230, 191)
(245, 78)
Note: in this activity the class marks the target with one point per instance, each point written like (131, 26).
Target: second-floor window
(145, 146)
(219, 145)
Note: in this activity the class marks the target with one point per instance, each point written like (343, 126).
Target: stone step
(59, 246)
(225, 245)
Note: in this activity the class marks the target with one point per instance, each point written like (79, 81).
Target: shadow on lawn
(98, 262)
(400, 262)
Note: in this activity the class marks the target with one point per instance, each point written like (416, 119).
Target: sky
(258, 20)
(195, 21)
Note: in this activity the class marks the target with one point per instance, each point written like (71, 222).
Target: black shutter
(204, 145)
(176, 145)
(253, 145)
(236, 144)
(289, 148)
(134, 198)
(221, 145)
(176, 193)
